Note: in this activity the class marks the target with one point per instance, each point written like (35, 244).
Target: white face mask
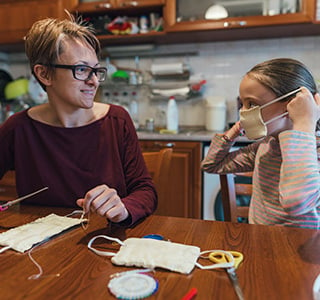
(252, 122)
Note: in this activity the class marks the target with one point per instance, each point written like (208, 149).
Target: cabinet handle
(233, 23)
(164, 145)
(130, 3)
(104, 5)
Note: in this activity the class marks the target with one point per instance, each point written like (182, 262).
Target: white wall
(222, 64)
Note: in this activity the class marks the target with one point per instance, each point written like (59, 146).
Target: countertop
(196, 134)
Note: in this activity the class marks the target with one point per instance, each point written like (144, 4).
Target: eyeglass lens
(85, 73)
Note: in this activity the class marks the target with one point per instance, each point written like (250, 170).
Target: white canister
(216, 113)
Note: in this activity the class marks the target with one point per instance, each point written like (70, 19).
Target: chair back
(158, 165)
(229, 192)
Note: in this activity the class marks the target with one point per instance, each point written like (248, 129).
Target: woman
(86, 152)
(281, 109)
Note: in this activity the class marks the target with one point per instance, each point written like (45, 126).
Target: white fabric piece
(23, 237)
(150, 253)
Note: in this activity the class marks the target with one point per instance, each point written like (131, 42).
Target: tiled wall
(222, 65)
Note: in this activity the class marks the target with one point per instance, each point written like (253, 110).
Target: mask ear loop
(40, 274)
(224, 265)
(103, 253)
(82, 218)
(281, 97)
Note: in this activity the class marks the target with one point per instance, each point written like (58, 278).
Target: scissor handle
(221, 257)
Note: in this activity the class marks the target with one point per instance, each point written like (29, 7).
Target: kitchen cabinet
(102, 13)
(116, 4)
(183, 20)
(17, 16)
(193, 27)
(184, 190)
(179, 16)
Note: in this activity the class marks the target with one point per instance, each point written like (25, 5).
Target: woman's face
(64, 89)
(253, 93)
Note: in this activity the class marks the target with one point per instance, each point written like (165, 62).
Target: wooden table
(279, 262)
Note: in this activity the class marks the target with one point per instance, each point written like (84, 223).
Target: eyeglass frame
(73, 68)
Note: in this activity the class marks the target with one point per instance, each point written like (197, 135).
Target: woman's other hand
(105, 202)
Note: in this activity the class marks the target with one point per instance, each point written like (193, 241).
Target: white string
(37, 276)
(82, 217)
(40, 274)
(4, 249)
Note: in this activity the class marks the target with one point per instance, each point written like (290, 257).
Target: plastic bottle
(134, 110)
(172, 115)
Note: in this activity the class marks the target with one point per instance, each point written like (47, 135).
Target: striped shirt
(286, 179)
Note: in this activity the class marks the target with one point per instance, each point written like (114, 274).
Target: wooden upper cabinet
(87, 7)
(179, 16)
(16, 17)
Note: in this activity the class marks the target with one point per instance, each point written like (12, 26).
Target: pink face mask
(252, 122)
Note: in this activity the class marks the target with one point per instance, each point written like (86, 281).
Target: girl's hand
(234, 131)
(304, 111)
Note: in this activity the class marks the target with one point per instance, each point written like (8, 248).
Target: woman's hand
(105, 202)
(304, 111)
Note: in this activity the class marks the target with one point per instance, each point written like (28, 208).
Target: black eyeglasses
(84, 72)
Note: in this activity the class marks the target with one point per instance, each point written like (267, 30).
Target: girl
(280, 109)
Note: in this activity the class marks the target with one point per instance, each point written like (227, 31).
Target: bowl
(16, 88)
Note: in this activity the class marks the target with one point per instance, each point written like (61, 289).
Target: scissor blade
(9, 203)
(235, 282)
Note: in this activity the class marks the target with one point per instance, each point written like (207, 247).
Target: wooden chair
(158, 165)
(229, 192)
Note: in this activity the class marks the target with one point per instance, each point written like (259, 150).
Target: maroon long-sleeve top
(71, 161)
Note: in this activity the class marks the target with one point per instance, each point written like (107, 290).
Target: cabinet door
(180, 17)
(18, 16)
(137, 3)
(184, 190)
(116, 4)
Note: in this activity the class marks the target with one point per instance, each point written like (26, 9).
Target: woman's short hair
(44, 41)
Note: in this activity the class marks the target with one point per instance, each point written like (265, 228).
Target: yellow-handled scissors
(221, 257)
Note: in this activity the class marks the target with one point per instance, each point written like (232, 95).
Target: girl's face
(253, 93)
(64, 89)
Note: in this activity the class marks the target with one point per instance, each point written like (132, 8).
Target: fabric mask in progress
(252, 122)
(24, 237)
(150, 253)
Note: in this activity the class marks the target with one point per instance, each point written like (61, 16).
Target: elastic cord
(103, 253)
(216, 265)
(40, 274)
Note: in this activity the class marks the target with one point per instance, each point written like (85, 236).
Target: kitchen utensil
(16, 88)
(10, 203)
(120, 76)
(216, 111)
